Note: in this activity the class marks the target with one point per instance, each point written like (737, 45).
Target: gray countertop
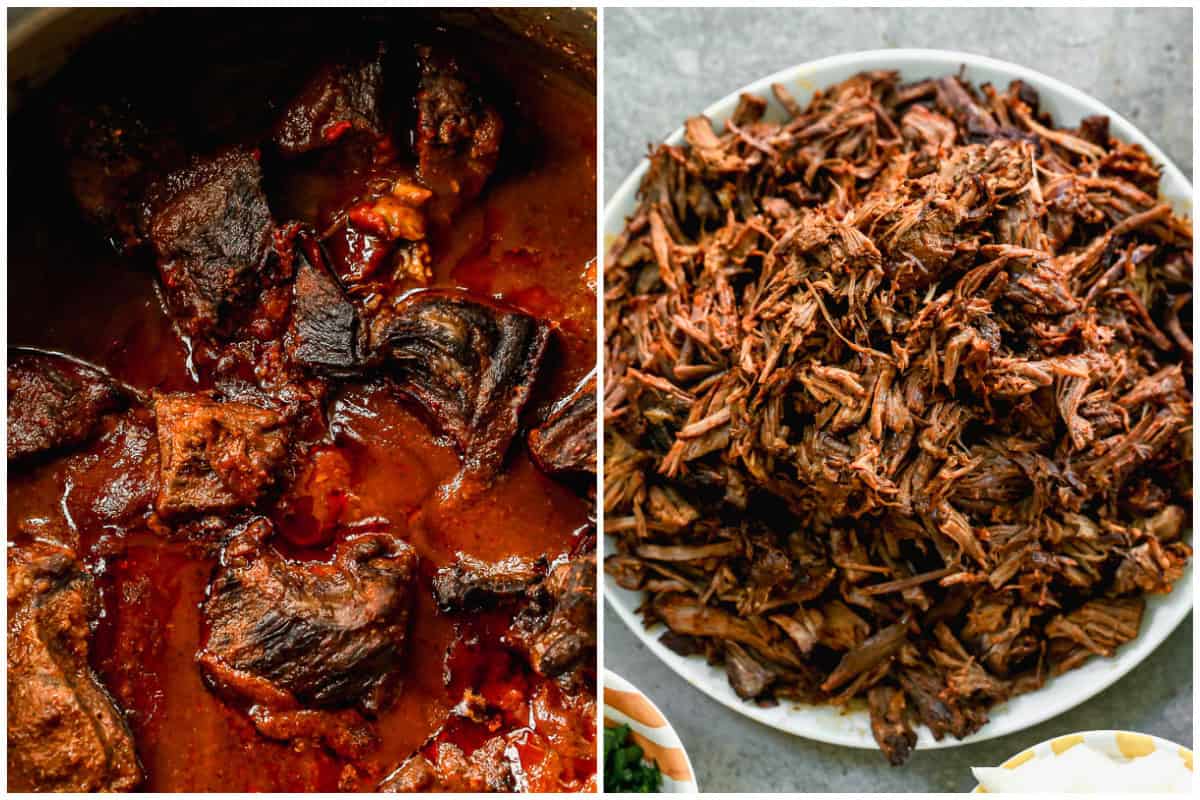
(662, 65)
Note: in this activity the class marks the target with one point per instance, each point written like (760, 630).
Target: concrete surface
(662, 65)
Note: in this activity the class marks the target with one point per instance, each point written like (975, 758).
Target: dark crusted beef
(65, 733)
(324, 333)
(557, 630)
(566, 441)
(216, 456)
(458, 132)
(339, 98)
(898, 398)
(211, 230)
(54, 402)
(293, 637)
(470, 584)
(470, 365)
(112, 154)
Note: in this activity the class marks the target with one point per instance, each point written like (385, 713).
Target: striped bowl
(1119, 744)
(624, 704)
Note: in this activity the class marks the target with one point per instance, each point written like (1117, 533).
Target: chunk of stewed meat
(470, 584)
(216, 456)
(211, 230)
(557, 630)
(338, 98)
(447, 768)
(65, 733)
(566, 441)
(111, 155)
(471, 366)
(324, 330)
(288, 635)
(458, 131)
(54, 402)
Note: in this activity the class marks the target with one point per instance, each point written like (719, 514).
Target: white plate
(625, 704)
(1163, 613)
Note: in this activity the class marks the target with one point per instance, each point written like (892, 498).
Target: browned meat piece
(470, 584)
(928, 128)
(215, 456)
(111, 156)
(889, 724)
(955, 98)
(941, 711)
(458, 132)
(1098, 627)
(1150, 568)
(558, 628)
(211, 230)
(878, 648)
(566, 441)
(54, 402)
(324, 332)
(287, 638)
(469, 365)
(748, 677)
(339, 98)
(65, 733)
(488, 769)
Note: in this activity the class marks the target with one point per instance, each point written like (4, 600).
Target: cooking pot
(42, 40)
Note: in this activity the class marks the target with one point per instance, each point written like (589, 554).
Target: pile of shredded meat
(898, 399)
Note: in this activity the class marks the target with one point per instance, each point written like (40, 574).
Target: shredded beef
(898, 397)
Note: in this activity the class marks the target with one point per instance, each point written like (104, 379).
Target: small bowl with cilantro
(642, 752)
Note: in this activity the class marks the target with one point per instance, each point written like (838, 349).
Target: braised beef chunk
(488, 769)
(211, 230)
(458, 132)
(471, 366)
(566, 441)
(557, 630)
(65, 733)
(318, 635)
(216, 456)
(112, 154)
(324, 331)
(53, 402)
(339, 98)
(470, 584)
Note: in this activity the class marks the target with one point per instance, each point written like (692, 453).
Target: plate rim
(623, 200)
(680, 787)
